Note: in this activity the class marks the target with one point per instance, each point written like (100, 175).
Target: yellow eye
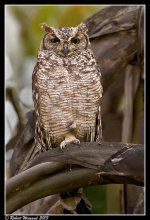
(55, 40)
(75, 40)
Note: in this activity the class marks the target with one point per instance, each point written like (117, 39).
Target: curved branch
(105, 163)
(31, 175)
(58, 183)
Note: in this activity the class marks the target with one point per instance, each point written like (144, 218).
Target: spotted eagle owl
(66, 88)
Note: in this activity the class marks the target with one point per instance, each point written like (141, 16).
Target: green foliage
(30, 18)
(97, 197)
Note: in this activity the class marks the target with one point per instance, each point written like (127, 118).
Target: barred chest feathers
(67, 92)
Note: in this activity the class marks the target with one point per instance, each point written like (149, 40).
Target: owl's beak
(65, 48)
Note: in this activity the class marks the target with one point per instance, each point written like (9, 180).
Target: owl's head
(65, 41)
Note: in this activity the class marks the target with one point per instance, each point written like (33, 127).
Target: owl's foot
(70, 138)
(64, 143)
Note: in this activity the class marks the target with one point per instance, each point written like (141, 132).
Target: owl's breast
(68, 92)
(53, 92)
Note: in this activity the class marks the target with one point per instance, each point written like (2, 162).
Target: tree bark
(57, 171)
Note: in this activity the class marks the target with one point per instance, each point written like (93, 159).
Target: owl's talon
(63, 144)
(66, 142)
(76, 141)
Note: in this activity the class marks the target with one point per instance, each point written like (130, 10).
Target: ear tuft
(82, 27)
(47, 28)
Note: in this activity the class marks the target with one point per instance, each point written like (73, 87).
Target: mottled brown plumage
(66, 89)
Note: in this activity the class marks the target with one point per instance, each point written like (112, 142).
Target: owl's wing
(98, 126)
(98, 130)
(42, 142)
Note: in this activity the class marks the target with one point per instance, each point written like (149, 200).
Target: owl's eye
(75, 40)
(55, 40)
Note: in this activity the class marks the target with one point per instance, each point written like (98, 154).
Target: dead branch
(116, 36)
(57, 171)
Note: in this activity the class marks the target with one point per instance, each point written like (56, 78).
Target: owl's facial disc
(65, 41)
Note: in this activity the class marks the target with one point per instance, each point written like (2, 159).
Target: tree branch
(73, 167)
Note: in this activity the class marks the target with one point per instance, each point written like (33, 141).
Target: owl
(67, 90)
